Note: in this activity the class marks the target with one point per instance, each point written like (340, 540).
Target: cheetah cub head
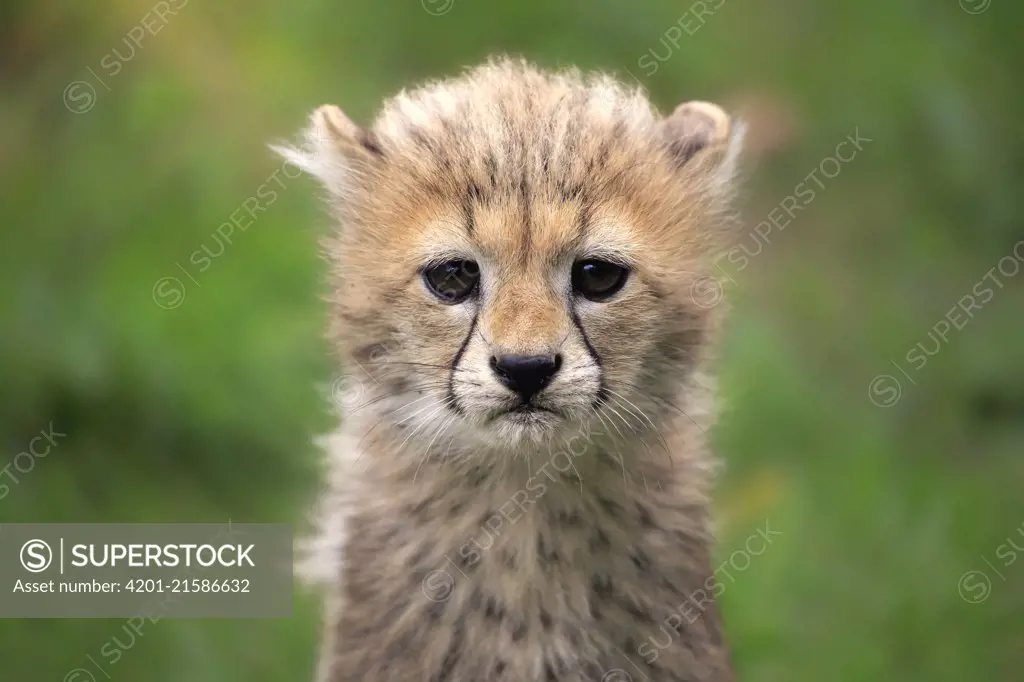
(519, 253)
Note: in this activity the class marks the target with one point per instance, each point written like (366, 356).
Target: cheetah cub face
(518, 253)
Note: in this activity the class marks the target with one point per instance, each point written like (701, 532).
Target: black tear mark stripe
(602, 390)
(453, 399)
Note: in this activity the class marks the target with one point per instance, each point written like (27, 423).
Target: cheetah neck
(569, 562)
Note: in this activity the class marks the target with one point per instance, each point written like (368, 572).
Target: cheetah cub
(519, 488)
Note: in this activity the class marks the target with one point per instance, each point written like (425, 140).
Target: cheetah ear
(702, 137)
(334, 150)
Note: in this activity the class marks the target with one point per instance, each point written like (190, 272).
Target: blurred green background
(130, 131)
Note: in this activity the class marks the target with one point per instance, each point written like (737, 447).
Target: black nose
(526, 374)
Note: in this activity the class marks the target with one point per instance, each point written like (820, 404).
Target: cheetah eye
(598, 280)
(452, 281)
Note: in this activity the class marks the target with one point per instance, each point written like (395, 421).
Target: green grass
(206, 411)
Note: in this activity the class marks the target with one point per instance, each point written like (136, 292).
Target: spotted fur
(460, 543)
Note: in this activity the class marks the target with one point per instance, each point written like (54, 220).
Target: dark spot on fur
(635, 611)
(421, 507)
(476, 478)
(693, 545)
(601, 586)
(360, 591)
(646, 520)
(467, 561)
(434, 189)
(612, 507)
(475, 192)
(387, 535)
(714, 630)
(641, 560)
(367, 353)
(571, 519)
(574, 638)
(519, 632)
(599, 541)
(546, 554)
(436, 609)
(509, 559)
(398, 385)
(493, 609)
(399, 646)
(671, 587)
(570, 192)
(545, 619)
(492, 170)
(451, 658)
(420, 556)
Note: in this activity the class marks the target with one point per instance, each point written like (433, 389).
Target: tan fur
(460, 544)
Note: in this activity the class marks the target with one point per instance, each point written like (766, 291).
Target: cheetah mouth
(526, 412)
(530, 408)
